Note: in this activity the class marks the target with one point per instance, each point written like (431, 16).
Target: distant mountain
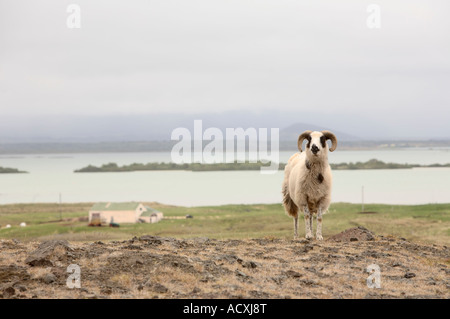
(139, 127)
(63, 128)
(293, 131)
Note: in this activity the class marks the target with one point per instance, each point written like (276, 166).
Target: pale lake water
(51, 174)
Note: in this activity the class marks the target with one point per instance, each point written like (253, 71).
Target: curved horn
(302, 136)
(332, 137)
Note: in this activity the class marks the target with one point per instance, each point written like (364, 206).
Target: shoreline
(30, 148)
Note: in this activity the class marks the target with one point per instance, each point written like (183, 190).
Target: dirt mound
(354, 234)
(162, 267)
(50, 252)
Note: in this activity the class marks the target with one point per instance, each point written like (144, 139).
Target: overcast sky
(194, 56)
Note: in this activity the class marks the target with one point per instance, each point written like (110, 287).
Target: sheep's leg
(319, 225)
(308, 222)
(296, 227)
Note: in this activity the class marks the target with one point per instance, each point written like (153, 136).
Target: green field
(426, 223)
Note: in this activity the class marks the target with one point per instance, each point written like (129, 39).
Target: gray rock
(108, 290)
(159, 288)
(241, 275)
(21, 288)
(48, 278)
(306, 248)
(293, 274)
(207, 278)
(249, 264)
(47, 253)
(309, 282)
(9, 292)
(156, 287)
(278, 279)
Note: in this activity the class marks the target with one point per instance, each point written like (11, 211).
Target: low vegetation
(231, 251)
(376, 164)
(427, 223)
(7, 170)
(204, 268)
(197, 167)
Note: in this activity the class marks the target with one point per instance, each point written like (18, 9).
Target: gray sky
(194, 56)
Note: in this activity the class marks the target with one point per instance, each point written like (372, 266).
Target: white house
(151, 215)
(130, 212)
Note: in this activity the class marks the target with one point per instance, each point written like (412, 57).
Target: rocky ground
(157, 267)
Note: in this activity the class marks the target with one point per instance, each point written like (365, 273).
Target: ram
(308, 181)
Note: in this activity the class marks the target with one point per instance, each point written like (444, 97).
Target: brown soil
(354, 234)
(157, 267)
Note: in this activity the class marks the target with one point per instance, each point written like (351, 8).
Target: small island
(197, 167)
(7, 170)
(377, 164)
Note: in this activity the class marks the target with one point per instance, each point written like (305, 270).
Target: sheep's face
(316, 146)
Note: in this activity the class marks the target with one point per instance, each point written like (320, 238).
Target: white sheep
(308, 180)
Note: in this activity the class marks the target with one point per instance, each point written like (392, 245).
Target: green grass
(426, 223)
(197, 167)
(194, 167)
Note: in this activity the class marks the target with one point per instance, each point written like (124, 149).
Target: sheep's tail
(289, 206)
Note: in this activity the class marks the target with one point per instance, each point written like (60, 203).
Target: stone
(249, 264)
(48, 252)
(9, 292)
(293, 274)
(48, 278)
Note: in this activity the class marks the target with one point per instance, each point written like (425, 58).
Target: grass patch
(426, 223)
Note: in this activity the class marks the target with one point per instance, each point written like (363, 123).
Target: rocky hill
(158, 267)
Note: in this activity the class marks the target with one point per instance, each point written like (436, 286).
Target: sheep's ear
(301, 138)
(332, 137)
